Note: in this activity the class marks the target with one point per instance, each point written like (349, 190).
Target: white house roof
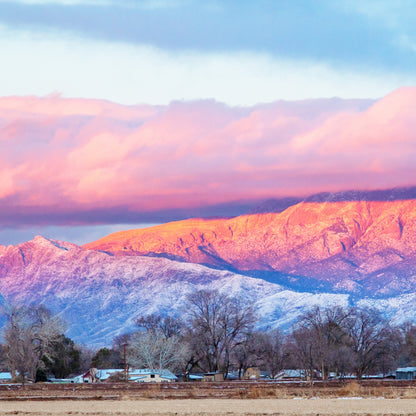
(78, 379)
(291, 373)
(105, 374)
(5, 376)
(195, 377)
(134, 374)
(406, 369)
(146, 371)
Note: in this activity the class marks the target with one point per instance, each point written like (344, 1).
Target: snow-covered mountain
(339, 242)
(100, 295)
(334, 249)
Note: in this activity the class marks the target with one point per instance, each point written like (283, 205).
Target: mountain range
(340, 245)
(344, 248)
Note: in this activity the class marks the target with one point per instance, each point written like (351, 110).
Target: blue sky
(155, 52)
(239, 52)
(354, 32)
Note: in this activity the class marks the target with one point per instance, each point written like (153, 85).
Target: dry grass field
(211, 407)
(209, 399)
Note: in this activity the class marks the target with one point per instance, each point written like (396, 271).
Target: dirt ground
(212, 407)
(210, 399)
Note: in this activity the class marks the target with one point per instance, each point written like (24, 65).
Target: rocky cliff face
(349, 244)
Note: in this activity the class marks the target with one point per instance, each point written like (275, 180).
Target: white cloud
(383, 11)
(142, 4)
(159, 4)
(62, 2)
(40, 64)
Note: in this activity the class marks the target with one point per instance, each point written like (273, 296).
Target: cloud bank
(85, 161)
(131, 73)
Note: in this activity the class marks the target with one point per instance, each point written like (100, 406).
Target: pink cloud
(77, 154)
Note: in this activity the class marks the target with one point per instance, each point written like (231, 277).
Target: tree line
(216, 333)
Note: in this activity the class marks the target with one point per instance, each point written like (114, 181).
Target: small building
(213, 377)
(190, 377)
(54, 380)
(152, 376)
(406, 373)
(101, 375)
(252, 373)
(290, 374)
(139, 375)
(5, 377)
(195, 377)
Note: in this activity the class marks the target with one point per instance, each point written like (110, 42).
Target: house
(213, 377)
(139, 375)
(190, 377)
(291, 375)
(101, 375)
(296, 375)
(406, 373)
(54, 380)
(152, 376)
(252, 373)
(5, 377)
(78, 379)
(195, 377)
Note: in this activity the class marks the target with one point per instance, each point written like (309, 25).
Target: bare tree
(168, 325)
(408, 344)
(356, 340)
(301, 348)
(246, 353)
(18, 344)
(219, 323)
(195, 351)
(86, 356)
(3, 359)
(270, 352)
(369, 334)
(151, 349)
(320, 341)
(29, 337)
(47, 330)
(389, 351)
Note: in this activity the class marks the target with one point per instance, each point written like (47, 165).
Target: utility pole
(125, 363)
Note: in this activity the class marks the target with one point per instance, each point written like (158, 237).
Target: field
(250, 398)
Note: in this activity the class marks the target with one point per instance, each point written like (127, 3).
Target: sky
(123, 114)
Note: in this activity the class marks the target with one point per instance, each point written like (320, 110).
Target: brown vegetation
(213, 407)
(202, 390)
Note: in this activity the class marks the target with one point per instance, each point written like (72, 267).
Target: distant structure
(252, 373)
(406, 373)
(139, 375)
(5, 377)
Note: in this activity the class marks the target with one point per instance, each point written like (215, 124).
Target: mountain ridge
(100, 295)
(347, 241)
(333, 252)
